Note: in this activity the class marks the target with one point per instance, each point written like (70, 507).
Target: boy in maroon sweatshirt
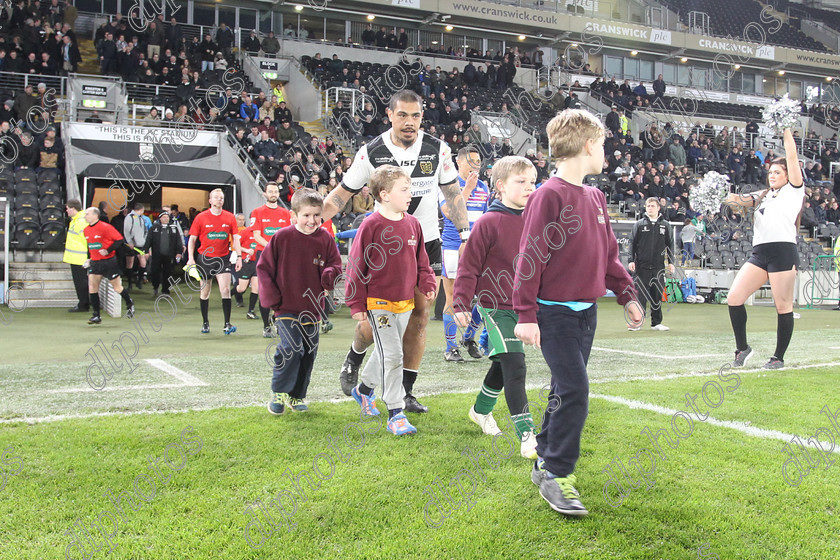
(387, 263)
(297, 265)
(486, 269)
(568, 258)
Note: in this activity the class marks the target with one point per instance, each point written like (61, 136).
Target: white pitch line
(185, 378)
(182, 375)
(703, 373)
(738, 426)
(658, 356)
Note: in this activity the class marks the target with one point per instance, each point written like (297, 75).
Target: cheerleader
(774, 257)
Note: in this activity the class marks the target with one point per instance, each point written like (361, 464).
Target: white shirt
(429, 163)
(775, 217)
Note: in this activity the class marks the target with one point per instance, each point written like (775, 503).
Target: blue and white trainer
(368, 403)
(400, 426)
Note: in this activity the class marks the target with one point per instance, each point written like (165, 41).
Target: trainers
(774, 363)
(251, 315)
(267, 333)
(205, 328)
(485, 421)
(528, 445)
(562, 496)
(660, 327)
(400, 426)
(94, 320)
(298, 405)
(472, 349)
(453, 355)
(368, 403)
(538, 473)
(634, 328)
(741, 357)
(326, 326)
(278, 405)
(129, 313)
(229, 329)
(412, 405)
(349, 377)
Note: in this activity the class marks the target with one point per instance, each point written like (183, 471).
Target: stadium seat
(45, 189)
(28, 215)
(48, 176)
(25, 201)
(53, 235)
(55, 215)
(715, 261)
(26, 187)
(50, 201)
(25, 174)
(26, 235)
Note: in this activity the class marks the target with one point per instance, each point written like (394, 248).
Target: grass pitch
(721, 491)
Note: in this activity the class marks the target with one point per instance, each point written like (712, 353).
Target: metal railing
(823, 269)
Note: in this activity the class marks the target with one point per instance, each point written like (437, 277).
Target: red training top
(387, 261)
(247, 241)
(214, 232)
(269, 221)
(101, 236)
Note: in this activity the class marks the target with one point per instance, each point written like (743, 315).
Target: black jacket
(156, 235)
(650, 242)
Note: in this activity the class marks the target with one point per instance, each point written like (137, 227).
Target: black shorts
(109, 268)
(212, 266)
(248, 270)
(435, 255)
(775, 257)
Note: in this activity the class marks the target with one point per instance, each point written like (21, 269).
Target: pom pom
(709, 193)
(782, 114)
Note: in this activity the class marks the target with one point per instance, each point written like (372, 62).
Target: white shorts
(450, 263)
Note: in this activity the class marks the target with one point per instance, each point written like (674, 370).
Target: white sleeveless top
(775, 217)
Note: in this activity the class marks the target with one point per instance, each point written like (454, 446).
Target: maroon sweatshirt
(387, 261)
(486, 267)
(568, 250)
(295, 268)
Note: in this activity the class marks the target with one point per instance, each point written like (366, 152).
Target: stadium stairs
(45, 284)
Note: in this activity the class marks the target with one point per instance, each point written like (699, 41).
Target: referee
(651, 244)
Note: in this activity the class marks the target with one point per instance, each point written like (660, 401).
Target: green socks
(486, 399)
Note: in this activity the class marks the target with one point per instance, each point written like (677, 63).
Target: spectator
(252, 43)
(381, 39)
(658, 88)
(677, 153)
(688, 235)
(832, 215)
(266, 150)
(368, 36)
(735, 164)
(224, 39)
(155, 39)
(270, 45)
(640, 90)
(809, 218)
(248, 111)
(208, 53)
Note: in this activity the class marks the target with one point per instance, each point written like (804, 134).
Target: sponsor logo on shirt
(318, 261)
(269, 231)
(382, 321)
(95, 245)
(412, 242)
(217, 235)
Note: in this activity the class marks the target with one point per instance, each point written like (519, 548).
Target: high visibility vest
(625, 124)
(76, 249)
(278, 91)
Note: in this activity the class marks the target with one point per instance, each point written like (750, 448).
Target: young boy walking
(387, 263)
(489, 257)
(295, 267)
(569, 257)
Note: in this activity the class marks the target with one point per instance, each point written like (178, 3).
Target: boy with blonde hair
(488, 258)
(387, 263)
(568, 258)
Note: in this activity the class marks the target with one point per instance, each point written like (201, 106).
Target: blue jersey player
(477, 197)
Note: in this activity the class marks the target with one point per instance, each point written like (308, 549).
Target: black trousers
(649, 284)
(566, 343)
(161, 272)
(80, 282)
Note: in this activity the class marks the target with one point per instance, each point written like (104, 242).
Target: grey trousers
(385, 366)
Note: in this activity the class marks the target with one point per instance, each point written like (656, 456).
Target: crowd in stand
(38, 37)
